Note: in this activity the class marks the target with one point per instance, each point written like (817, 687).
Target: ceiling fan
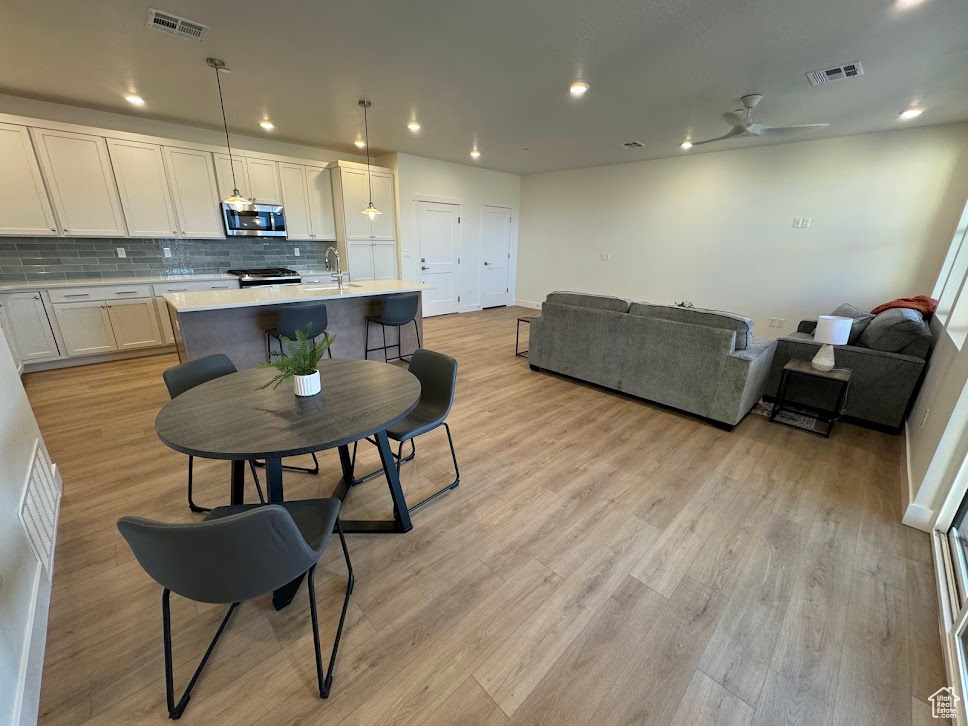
(744, 126)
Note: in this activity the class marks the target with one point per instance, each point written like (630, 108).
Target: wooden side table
(794, 368)
(517, 336)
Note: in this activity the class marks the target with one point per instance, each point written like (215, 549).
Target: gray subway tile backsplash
(27, 258)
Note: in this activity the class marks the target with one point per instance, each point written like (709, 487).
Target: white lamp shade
(832, 329)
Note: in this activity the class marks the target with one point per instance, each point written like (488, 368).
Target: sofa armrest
(744, 380)
(807, 326)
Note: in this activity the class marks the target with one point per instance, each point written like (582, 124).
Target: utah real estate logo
(944, 703)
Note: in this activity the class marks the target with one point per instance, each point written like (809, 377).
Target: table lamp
(831, 330)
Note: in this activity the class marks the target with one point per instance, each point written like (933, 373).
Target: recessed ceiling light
(686, 145)
(906, 4)
(360, 144)
(414, 126)
(134, 99)
(910, 113)
(578, 88)
(475, 153)
(267, 124)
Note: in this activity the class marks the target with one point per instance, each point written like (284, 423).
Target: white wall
(25, 591)
(18, 106)
(473, 187)
(716, 228)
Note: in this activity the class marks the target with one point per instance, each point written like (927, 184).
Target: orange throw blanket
(922, 303)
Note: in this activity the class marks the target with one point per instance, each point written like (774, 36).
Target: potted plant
(299, 362)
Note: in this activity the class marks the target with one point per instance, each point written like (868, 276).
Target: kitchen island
(234, 321)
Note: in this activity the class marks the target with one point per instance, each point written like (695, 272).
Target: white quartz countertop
(187, 302)
(89, 281)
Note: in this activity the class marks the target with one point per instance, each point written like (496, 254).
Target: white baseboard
(918, 517)
(85, 360)
(528, 304)
(914, 514)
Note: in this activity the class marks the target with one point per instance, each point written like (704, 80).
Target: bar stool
(398, 310)
(296, 317)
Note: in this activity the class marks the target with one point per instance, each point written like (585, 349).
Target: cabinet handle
(183, 232)
(219, 287)
(126, 292)
(66, 230)
(79, 294)
(53, 229)
(174, 232)
(175, 289)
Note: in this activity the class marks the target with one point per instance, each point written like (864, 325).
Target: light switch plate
(805, 222)
(121, 252)
(166, 251)
(295, 251)
(606, 256)
(797, 221)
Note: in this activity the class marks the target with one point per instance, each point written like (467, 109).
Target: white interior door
(438, 243)
(496, 253)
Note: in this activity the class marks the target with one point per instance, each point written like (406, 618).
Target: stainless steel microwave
(254, 220)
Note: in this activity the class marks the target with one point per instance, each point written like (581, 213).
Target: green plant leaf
(301, 356)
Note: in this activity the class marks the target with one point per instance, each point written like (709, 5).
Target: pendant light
(237, 201)
(370, 210)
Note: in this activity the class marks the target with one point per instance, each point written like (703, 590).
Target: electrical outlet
(772, 322)
(121, 252)
(295, 251)
(924, 418)
(797, 221)
(606, 256)
(805, 222)
(780, 322)
(166, 251)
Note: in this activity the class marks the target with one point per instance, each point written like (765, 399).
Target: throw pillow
(861, 319)
(893, 330)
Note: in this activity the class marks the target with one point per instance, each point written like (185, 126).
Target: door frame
(416, 198)
(512, 252)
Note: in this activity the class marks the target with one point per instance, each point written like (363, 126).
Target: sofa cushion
(586, 300)
(861, 319)
(700, 316)
(896, 331)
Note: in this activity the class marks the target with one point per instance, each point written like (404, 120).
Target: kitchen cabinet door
(7, 333)
(30, 327)
(143, 185)
(384, 226)
(356, 196)
(360, 262)
(264, 181)
(78, 172)
(135, 323)
(223, 171)
(194, 192)
(320, 186)
(384, 260)
(85, 327)
(24, 206)
(167, 332)
(295, 199)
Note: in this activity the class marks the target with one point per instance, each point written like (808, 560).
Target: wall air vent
(631, 145)
(175, 25)
(837, 73)
(39, 508)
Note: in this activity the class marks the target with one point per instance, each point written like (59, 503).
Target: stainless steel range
(267, 276)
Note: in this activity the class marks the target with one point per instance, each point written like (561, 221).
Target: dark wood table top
(232, 418)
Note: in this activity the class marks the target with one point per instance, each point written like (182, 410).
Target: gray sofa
(882, 383)
(701, 361)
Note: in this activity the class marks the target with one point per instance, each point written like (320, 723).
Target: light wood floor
(604, 561)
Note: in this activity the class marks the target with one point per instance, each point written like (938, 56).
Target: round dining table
(235, 418)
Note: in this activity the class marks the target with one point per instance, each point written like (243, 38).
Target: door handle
(424, 267)
(486, 264)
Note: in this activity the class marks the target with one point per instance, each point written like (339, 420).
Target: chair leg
(454, 484)
(378, 472)
(416, 329)
(191, 503)
(258, 484)
(366, 342)
(384, 328)
(305, 469)
(325, 684)
(175, 710)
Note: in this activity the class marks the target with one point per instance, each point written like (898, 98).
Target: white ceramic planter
(306, 385)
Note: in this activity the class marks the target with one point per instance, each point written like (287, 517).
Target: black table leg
(401, 515)
(284, 595)
(237, 494)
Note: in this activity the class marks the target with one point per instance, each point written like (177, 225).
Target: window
(950, 289)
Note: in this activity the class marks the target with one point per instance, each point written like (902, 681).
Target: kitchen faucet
(338, 275)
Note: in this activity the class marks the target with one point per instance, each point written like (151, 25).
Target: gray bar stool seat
(398, 310)
(235, 554)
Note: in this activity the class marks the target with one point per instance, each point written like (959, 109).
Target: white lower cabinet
(85, 327)
(135, 323)
(29, 326)
(384, 260)
(371, 260)
(8, 336)
(167, 332)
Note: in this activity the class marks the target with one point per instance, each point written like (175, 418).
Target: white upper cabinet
(295, 196)
(223, 169)
(356, 196)
(24, 206)
(307, 195)
(384, 226)
(78, 173)
(143, 185)
(320, 186)
(195, 193)
(264, 181)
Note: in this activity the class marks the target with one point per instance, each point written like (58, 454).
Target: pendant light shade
(236, 200)
(370, 210)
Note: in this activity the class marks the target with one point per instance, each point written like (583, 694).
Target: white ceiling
(497, 71)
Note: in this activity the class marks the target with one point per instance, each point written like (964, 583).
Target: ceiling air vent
(837, 73)
(175, 25)
(633, 145)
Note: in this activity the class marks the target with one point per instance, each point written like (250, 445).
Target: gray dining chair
(398, 310)
(437, 374)
(237, 553)
(186, 376)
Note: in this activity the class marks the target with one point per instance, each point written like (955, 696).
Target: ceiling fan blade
(736, 131)
(787, 130)
(735, 118)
